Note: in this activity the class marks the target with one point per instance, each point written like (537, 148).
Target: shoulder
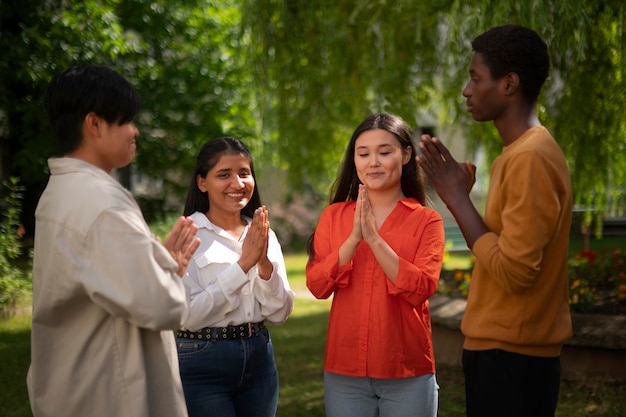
(414, 207)
(82, 192)
(335, 210)
(200, 219)
(338, 207)
(537, 147)
(536, 141)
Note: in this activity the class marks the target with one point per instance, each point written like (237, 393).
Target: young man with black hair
(517, 316)
(106, 293)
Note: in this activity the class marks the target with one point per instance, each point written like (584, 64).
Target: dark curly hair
(514, 48)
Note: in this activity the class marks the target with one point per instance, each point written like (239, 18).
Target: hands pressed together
(182, 243)
(364, 221)
(254, 248)
(452, 180)
(364, 227)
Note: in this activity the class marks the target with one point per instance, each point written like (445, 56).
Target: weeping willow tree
(321, 66)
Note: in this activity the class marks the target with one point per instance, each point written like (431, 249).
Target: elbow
(519, 284)
(320, 288)
(320, 293)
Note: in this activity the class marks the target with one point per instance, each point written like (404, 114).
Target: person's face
(484, 94)
(229, 184)
(379, 158)
(117, 144)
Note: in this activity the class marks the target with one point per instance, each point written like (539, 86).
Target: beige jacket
(106, 298)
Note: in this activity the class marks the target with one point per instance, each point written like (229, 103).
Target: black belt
(240, 331)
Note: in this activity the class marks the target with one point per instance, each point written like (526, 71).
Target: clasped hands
(254, 248)
(182, 243)
(452, 180)
(364, 227)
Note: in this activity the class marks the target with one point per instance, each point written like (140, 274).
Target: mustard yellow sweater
(518, 299)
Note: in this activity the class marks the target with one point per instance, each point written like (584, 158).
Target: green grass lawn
(299, 348)
(14, 360)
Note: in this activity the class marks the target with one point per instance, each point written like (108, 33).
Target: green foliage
(589, 115)
(14, 282)
(182, 57)
(325, 64)
(293, 79)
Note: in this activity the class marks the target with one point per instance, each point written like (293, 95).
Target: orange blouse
(378, 328)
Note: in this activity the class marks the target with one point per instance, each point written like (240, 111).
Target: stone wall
(597, 349)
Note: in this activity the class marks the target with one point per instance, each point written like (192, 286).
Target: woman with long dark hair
(237, 281)
(378, 251)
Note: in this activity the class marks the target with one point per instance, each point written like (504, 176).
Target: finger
(257, 220)
(430, 153)
(191, 249)
(176, 237)
(471, 168)
(423, 163)
(186, 235)
(444, 153)
(190, 237)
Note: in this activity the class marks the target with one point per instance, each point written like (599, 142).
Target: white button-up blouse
(221, 293)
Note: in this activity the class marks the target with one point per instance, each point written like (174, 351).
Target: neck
(511, 128)
(85, 155)
(382, 201)
(229, 221)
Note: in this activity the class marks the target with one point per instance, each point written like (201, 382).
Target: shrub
(14, 282)
(597, 280)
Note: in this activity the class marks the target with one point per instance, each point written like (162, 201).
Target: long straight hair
(207, 158)
(346, 185)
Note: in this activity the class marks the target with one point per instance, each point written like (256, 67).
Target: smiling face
(378, 158)
(229, 184)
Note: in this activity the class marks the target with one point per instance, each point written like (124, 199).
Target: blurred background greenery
(292, 78)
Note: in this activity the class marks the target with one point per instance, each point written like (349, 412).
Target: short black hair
(79, 90)
(514, 48)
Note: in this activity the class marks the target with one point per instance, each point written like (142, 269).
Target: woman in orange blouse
(378, 250)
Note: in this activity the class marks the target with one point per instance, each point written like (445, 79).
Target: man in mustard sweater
(517, 316)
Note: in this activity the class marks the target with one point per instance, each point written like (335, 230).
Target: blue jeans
(229, 378)
(350, 396)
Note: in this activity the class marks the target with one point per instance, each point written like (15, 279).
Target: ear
(200, 183)
(91, 123)
(510, 83)
(406, 155)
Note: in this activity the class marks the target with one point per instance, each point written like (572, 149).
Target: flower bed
(597, 282)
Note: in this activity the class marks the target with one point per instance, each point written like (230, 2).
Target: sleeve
(323, 274)
(131, 275)
(215, 281)
(530, 209)
(274, 295)
(419, 269)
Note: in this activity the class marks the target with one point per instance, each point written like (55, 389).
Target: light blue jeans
(349, 396)
(229, 378)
